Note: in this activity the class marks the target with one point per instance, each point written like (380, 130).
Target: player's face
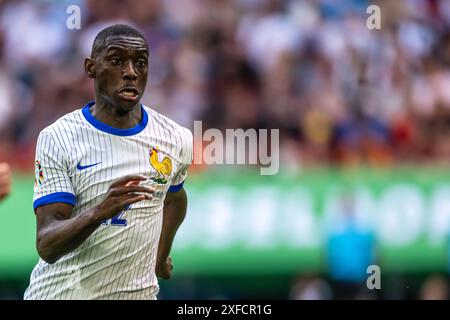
(121, 72)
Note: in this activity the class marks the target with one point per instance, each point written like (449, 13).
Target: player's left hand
(164, 269)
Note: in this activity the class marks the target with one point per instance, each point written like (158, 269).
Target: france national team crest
(163, 167)
(39, 174)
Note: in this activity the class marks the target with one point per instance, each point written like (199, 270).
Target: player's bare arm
(174, 212)
(58, 233)
(5, 180)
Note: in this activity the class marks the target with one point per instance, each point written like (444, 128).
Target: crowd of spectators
(340, 93)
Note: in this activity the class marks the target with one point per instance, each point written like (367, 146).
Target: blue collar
(108, 129)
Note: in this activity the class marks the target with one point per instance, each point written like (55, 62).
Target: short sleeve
(186, 160)
(52, 183)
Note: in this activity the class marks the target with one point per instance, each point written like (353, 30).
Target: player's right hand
(122, 193)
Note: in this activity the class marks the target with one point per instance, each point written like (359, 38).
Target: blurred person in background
(350, 249)
(5, 180)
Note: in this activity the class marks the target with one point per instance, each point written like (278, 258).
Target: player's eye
(116, 61)
(141, 63)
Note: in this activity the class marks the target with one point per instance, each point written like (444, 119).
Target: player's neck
(114, 118)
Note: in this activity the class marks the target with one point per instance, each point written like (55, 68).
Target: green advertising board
(242, 223)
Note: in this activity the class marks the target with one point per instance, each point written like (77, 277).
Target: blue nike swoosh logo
(80, 167)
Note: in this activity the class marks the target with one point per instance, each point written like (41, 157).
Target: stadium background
(364, 138)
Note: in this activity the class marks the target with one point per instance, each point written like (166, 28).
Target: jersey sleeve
(186, 159)
(52, 183)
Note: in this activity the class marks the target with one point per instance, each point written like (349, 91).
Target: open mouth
(129, 94)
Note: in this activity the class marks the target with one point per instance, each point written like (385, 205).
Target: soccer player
(109, 194)
(5, 180)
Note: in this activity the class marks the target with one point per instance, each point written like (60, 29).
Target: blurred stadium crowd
(340, 94)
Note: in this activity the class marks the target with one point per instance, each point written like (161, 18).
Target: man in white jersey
(109, 194)
(5, 180)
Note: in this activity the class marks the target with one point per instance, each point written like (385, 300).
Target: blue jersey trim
(64, 197)
(176, 188)
(108, 129)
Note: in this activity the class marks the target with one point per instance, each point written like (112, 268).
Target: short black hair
(114, 30)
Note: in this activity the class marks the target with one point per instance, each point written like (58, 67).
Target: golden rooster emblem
(163, 168)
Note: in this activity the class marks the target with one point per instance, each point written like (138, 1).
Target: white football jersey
(77, 158)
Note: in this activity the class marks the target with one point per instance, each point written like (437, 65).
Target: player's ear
(89, 66)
